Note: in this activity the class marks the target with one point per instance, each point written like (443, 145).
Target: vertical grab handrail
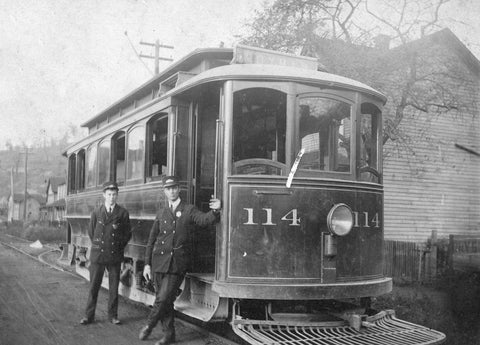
(218, 128)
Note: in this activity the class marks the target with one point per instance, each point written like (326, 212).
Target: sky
(64, 61)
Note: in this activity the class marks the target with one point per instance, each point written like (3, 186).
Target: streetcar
(295, 155)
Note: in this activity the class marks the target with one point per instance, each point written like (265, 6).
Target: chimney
(382, 42)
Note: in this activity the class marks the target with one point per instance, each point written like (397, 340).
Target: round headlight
(340, 220)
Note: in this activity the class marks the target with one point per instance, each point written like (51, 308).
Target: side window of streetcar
(104, 161)
(135, 153)
(325, 133)
(118, 151)
(72, 169)
(91, 167)
(259, 132)
(157, 146)
(80, 175)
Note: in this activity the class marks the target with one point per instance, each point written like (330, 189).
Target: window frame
(164, 115)
(129, 181)
(106, 140)
(339, 96)
(72, 174)
(287, 88)
(377, 121)
(93, 145)
(113, 154)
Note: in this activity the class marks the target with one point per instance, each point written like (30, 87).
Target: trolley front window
(325, 134)
(368, 144)
(259, 131)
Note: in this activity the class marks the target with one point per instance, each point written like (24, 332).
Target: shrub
(44, 233)
(33, 232)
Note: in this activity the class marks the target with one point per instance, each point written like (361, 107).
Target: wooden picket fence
(420, 262)
(402, 260)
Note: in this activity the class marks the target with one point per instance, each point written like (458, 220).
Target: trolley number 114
(360, 219)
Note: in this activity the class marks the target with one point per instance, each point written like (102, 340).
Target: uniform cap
(170, 181)
(110, 185)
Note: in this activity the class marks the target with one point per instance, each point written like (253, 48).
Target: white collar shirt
(109, 208)
(173, 205)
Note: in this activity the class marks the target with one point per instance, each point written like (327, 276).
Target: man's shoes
(115, 321)
(144, 333)
(167, 338)
(86, 321)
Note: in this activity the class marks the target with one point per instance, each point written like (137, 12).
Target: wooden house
(16, 207)
(432, 126)
(55, 199)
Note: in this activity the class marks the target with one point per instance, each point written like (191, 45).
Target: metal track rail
(386, 329)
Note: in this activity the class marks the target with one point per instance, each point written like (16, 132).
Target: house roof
(57, 203)
(20, 197)
(450, 40)
(55, 181)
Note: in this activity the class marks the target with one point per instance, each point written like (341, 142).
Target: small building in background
(16, 207)
(55, 200)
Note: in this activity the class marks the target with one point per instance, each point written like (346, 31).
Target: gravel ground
(43, 306)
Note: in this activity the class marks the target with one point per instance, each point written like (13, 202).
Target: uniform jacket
(168, 243)
(109, 234)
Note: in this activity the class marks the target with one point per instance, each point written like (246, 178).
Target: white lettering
(294, 220)
(250, 217)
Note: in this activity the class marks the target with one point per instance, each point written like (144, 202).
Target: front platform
(384, 328)
(367, 288)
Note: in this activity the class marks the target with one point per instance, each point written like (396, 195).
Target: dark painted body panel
(265, 247)
(142, 204)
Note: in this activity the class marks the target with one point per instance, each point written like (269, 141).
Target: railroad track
(192, 333)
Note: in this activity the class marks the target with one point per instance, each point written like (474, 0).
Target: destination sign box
(251, 55)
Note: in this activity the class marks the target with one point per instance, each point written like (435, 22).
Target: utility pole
(11, 184)
(25, 191)
(157, 56)
(10, 210)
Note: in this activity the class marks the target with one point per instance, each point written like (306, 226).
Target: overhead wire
(137, 54)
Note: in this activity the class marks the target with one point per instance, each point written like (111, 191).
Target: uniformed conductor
(109, 231)
(167, 254)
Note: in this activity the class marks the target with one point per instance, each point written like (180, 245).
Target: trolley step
(199, 301)
(386, 329)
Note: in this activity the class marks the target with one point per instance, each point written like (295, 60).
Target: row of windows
(123, 156)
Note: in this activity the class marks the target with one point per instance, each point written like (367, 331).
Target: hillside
(43, 163)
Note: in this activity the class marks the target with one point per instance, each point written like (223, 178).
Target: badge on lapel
(178, 214)
(115, 226)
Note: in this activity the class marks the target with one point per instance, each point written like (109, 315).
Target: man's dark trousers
(166, 287)
(96, 275)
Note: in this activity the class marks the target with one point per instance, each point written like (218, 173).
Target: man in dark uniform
(109, 232)
(167, 255)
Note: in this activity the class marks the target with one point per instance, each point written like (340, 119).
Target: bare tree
(292, 25)
(420, 86)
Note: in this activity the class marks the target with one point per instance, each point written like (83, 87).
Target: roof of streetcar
(184, 64)
(259, 72)
(276, 73)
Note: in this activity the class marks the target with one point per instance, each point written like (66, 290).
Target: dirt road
(43, 306)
